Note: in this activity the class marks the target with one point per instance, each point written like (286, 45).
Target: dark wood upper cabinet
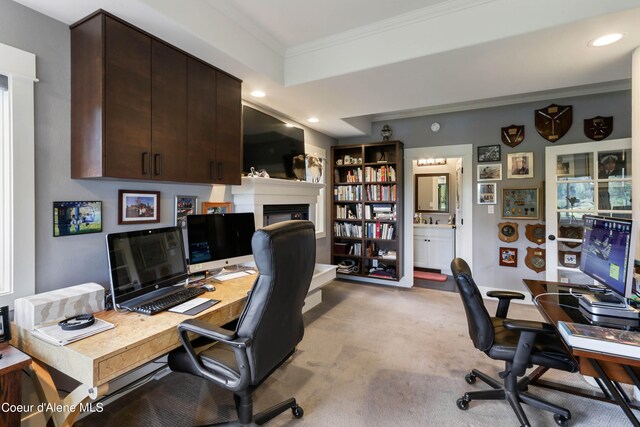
(143, 109)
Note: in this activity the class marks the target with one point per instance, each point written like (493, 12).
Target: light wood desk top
(135, 340)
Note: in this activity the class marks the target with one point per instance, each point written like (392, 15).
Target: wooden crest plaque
(598, 128)
(536, 259)
(508, 231)
(512, 135)
(570, 232)
(569, 259)
(553, 122)
(535, 233)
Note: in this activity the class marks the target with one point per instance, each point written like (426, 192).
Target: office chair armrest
(504, 298)
(528, 331)
(214, 332)
(528, 326)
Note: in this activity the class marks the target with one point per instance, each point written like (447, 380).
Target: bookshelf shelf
(367, 205)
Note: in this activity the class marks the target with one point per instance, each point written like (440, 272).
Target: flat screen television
(270, 144)
(217, 241)
(145, 261)
(608, 253)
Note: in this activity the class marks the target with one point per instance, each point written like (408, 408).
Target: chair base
(244, 408)
(513, 392)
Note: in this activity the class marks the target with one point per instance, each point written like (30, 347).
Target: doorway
(461, 204)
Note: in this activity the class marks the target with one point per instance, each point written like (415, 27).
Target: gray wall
(66, 261)
(482, 127)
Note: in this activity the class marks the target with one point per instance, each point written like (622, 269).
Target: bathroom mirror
(432, 192)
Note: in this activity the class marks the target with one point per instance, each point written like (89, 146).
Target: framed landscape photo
(216, 207)
(487, 194)
(508, 257)
(74, 218)
(521, 203)
(138, 207)
(185, 205)
(489, 153)
(492, 172)
(520, 165)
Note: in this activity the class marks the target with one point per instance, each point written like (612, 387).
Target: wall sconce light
(432, 162)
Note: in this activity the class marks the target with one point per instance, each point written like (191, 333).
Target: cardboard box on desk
(53, 306)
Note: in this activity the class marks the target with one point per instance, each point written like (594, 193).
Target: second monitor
(216, 241)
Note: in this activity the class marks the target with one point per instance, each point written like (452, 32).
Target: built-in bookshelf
(367, 210)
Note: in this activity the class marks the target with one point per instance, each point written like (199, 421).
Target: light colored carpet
(371, 356)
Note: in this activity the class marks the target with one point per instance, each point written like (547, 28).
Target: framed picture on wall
(74, 218)
(489, 153)
(185, 205)
(138, 207)
(508, 257)
(520, 165)
(216, 207)
(492, 172)
(521, 203)
(487, 194)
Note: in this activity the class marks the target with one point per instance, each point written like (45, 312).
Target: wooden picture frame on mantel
(217, 207)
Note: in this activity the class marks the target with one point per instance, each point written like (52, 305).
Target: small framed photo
(74, 218)
(521, 203)
(138, 207)
(565, 166)
(489, 153)
(492, 172)
(216, 207)
(5, 325)
(185, 205)
(487, 194)
(509, 257)
(520, 165)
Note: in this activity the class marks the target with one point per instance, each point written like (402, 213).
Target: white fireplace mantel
(255, 193)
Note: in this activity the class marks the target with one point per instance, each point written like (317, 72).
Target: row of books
(376, 192)
(347, 193)
(381, 174)
(347, 229)
(349, 211)
(377, 230)
(380, 212)
(353, 175)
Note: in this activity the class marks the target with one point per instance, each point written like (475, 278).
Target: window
(17, 181)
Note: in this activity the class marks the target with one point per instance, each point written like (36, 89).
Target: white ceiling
(349, 62)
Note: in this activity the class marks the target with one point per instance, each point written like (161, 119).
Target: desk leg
(63, 411)
(615, 393)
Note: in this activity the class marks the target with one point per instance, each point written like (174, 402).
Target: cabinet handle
(145, 163)
(219, 171)
(157, 164)
(213, 170)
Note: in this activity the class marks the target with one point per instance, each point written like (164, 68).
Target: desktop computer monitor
(145, 261)
(608, 253)
(216, 241)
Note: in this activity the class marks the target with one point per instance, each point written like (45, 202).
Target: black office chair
(520, 343)
(269, 327)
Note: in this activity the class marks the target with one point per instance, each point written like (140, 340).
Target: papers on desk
(606, 340)
(54, 334)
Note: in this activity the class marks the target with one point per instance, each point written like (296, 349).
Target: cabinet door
(228, 168)
(440, 252)
(127, 102)
(202, 122)
(169, 113)
(420, 251)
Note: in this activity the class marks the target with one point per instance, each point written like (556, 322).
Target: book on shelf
(597, 338)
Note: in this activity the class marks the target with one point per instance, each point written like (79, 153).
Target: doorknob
(552, 237)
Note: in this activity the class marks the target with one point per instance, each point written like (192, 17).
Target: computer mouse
(207, 287)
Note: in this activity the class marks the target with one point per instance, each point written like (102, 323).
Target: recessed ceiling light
(605, 40)
(313, 120)
(289, 125)
(258, 94)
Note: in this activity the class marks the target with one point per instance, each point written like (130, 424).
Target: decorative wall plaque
(512, 135)
(508, 231)
(570, 232)
(536, 259)
(553, 122)
(535, 233)
(569, 259)
(508, 257)
(598, 128)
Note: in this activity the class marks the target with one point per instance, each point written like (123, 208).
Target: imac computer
(219, 241)
(608, 255)
(145, 264)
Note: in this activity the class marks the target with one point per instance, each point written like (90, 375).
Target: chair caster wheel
(561, 421)
(470, 378)
(462, 404)
(298, 412)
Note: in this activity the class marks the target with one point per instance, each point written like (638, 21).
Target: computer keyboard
(229, 276)
(160, 304)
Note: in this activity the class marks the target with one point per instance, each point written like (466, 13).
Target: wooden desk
(136, 340)
(607, 367)
(11, 365)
